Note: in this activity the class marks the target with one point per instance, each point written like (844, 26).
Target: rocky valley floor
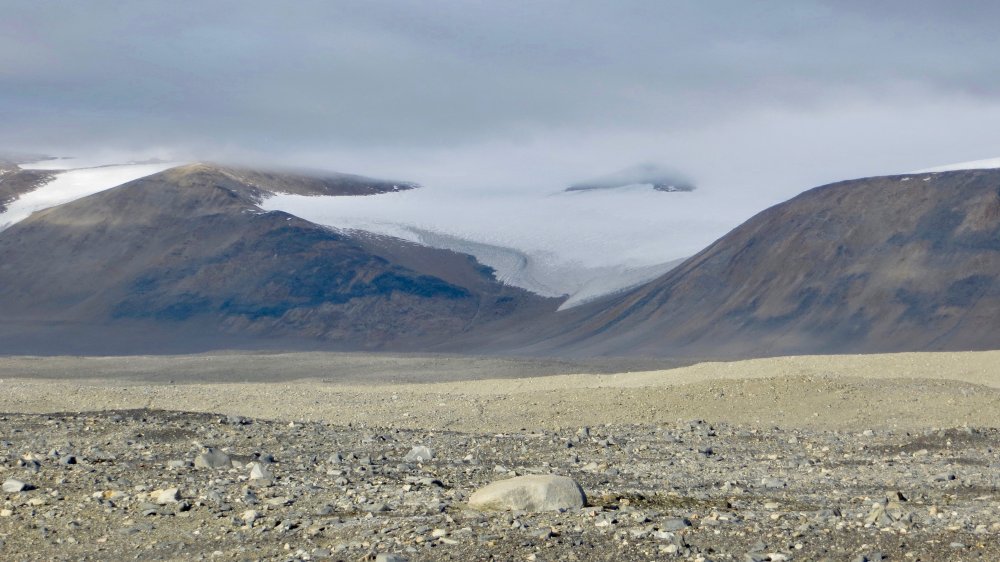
(852, 458)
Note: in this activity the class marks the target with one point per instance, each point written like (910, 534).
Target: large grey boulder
(531, 493)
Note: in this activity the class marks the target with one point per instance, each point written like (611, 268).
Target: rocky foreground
(163, 485)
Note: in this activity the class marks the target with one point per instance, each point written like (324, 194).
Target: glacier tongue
(577, 245)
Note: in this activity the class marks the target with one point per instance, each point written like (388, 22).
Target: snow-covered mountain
(184, 257)
(580, 246)
(649, 176)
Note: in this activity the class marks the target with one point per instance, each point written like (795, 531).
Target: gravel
(888, 468)
(650, 495)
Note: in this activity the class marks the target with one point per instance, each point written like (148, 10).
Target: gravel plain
(880, 457)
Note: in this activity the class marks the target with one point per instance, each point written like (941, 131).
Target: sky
(758, 100)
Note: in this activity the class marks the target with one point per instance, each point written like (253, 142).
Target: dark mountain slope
(187, 256)
(876, 264)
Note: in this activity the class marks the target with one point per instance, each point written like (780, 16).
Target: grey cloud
(284, 78)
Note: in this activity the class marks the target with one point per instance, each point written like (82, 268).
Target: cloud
(422, 85)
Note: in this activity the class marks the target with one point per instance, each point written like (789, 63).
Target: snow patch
(71, 185)
(987, 164)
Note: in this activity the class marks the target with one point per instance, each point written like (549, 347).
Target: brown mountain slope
(184, 258)
(876, 264)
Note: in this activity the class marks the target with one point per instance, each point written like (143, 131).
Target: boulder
(531, 493)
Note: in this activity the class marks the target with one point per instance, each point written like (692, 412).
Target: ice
(581, 245)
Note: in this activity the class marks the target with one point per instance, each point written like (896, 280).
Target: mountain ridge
(887, 263)
(188, 249)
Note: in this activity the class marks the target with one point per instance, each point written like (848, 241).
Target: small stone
(419, 453)
(531, 493)
(12, 486)
(6, 512)
(390, 557)
(249, 516)
(109, 495)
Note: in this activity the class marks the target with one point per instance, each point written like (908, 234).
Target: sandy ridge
(908, 390)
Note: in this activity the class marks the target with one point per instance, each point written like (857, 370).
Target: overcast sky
(767, 96)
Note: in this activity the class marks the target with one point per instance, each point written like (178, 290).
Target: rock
(531, 493)
(163, 497)
(213, 458)
(419, 453)
(390, 557)
(674, 524)
(178, 464)
(260, 472)
(109, 495)
(774, 483)
(12, 486)
(249, 516)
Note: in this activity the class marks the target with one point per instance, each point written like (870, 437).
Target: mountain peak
(266, 182)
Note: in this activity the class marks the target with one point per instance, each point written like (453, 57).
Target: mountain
(185, 259)
(644, 175)
(877, 264)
